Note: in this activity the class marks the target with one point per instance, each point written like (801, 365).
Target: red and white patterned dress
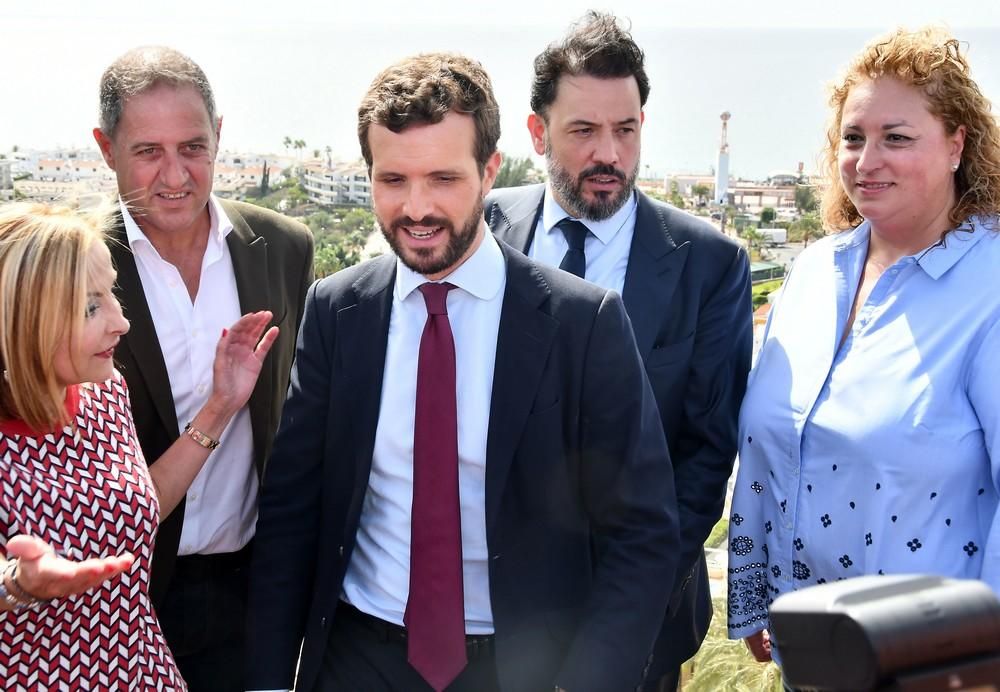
(87, 492)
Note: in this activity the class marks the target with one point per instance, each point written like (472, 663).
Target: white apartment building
(341, 184)
(6, 181)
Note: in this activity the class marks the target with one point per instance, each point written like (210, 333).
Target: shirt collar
(605, 231)
(481, 275)
(71, 404)
(220, 228)
(935, 260)
(942, 256)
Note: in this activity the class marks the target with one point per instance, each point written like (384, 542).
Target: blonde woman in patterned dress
(78, 506)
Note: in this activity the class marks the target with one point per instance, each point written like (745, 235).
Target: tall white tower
(722, 169)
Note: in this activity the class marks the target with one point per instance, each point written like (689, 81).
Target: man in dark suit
(470, 488)
(685, 285)
(188, 265)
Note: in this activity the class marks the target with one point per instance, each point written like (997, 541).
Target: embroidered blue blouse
(883, 455)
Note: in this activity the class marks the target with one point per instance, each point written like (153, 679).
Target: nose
(606, 148)
(118, 324)
(173, 173)
(869, 158)
(418, 202)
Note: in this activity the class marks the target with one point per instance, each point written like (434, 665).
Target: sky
(300, 68)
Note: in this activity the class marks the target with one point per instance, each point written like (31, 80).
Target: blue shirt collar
(935, 260)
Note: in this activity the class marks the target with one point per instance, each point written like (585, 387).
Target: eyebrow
(581, 121)
(146, 145)
(887, 126)
(394, 174)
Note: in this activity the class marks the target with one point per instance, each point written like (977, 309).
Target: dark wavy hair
(421, 90)
(598, 46)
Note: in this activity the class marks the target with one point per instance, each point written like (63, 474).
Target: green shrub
(722, 665)
(719, 533)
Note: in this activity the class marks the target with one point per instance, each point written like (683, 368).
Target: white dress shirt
(377, 579)
(607, 246)
(221, 508)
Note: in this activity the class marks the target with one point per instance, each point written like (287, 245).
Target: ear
(958, 143)
(642, 117)
(490, 171)
(218, 133)
(536, 128)
(106, 146)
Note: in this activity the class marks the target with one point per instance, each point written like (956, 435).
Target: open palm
(239, 357)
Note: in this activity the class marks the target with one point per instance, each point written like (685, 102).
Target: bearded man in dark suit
(463, 427)
(686, 286)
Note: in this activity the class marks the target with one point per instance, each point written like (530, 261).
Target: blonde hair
(44, 271)
(932, 61)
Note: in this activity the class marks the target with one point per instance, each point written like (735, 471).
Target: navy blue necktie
(574, 261)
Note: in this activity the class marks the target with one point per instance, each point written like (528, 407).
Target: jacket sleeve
(285, 545)
(704, 448)
(628, 494)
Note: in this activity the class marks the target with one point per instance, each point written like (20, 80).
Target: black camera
(890, 633)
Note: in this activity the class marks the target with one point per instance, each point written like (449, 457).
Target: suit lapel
(249, 256)
(363, 336)
(523, 343)
(655, 265)
(140, 347)
(248, 253)
(516, 223)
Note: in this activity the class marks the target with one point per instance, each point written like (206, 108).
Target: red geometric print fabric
(87, 492)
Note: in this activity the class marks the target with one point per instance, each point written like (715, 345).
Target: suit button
(322, 623)
(341, 551)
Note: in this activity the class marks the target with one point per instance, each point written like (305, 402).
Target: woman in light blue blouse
(870, 431)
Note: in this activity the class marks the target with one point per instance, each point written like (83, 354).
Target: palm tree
(809, 226)
(287, 142)
(701, 192)
(300, 144)
(754, 238)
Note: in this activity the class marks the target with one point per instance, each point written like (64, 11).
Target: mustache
(605, 169)
(401, 221)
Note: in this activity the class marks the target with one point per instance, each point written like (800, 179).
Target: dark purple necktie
(435, 609)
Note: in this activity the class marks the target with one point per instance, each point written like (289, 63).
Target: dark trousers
(365, 654)
(203, 617)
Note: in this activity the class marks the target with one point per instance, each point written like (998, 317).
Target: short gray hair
(140, 70)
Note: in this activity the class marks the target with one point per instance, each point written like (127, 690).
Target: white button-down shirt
(221, 508)
(377, 579)
(607, 246)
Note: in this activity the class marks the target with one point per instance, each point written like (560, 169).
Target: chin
(98, 376)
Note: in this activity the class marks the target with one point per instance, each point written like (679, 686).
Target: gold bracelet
(18, 590)
(201, 438)
(13, 593)
(6, 595)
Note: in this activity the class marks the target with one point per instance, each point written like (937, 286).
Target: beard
(430, 261)
(570, 189)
